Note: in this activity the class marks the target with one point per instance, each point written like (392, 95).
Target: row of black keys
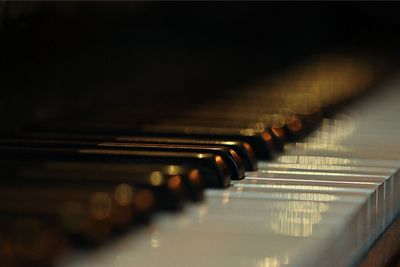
(59, 188)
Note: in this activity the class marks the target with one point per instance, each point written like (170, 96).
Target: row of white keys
(246, 226)
(322, 204)
(366, 141)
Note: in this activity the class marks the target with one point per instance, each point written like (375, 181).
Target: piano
(199, 134)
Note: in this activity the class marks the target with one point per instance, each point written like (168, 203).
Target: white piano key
(391, 185)
(328, 178)
(227, 232)
(285, 216)
(322, 203)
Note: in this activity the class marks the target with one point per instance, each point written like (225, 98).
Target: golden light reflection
(123, 194)
(323, 173)
(172, 169)
(175, 182)
(334, 130)
(296, 218)
(258, 126)
(221, 163)
(235, 155)
(295, 125)
(195, 177)
(266, 136)
(269, 262)
(279, 132)
(322, 146)
(155, 240)
(305, 196)
(225, 198)
(249, 150)
(202, 155)
(298, 187)
(156, 178)
(319, 167)
(312, 187)
(315, 160)
(239, 189)
(247, 131)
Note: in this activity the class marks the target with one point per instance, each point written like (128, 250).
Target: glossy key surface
(322, 203)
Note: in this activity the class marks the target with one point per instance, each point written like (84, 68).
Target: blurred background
(62, 59)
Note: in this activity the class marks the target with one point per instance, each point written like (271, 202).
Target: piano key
(213, 168)
(336, 161)
(289, 194)
(229, 156)
(259, 140)
(174, 178)
(383, 180)
(129, 204)
(322, 190)
(321, 215)
(243, 149)
(140, 188)
(224, 239)
(137, 174)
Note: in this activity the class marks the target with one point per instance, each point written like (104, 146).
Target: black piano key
(94, 174)
(214, 169)
(260, 140)
(191, 178)
(229, 155)
(244, 150)
(168, 191)
(136, 174)
(127, 204)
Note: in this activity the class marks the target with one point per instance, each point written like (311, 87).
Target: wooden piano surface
(385, 251)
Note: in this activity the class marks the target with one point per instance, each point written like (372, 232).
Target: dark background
(63, 58)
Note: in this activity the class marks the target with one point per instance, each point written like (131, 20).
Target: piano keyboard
(321, 201)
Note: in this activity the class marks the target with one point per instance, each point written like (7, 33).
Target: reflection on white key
(322, 203)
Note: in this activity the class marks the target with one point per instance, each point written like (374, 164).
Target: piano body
(199, 134)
